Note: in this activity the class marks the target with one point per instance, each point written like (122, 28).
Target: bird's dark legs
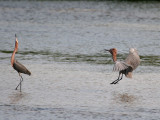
(116, 81)
(20, 83)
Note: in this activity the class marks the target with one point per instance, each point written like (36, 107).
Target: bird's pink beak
(16, 41)
(106, 50)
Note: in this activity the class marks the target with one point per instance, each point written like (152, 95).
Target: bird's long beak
(106, 50)
(16, 38)
(16, 43)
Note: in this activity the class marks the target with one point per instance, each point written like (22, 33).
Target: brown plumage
(125, 67)
(18, 66)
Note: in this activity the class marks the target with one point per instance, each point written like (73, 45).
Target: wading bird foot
(114, 82)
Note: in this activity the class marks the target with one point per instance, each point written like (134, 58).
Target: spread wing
(119, 65)
(133, 59)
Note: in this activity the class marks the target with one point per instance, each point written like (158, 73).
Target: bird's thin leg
(121, 77)
(116, 81)
(20, 83)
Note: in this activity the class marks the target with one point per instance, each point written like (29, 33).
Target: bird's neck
(12, 57)
(114, 56)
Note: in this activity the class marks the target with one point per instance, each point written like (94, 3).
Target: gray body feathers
(20, 68)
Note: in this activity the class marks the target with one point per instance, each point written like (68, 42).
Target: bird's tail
(128, 72)
(129, 75)
(28, 72)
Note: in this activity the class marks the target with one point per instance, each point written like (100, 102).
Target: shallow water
(62, 44)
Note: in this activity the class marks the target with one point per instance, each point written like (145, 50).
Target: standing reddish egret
(125, 67)
(18, 66)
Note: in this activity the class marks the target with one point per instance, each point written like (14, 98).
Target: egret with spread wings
(125, 67)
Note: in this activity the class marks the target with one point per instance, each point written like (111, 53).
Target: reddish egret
(125, 67)
(18, 66)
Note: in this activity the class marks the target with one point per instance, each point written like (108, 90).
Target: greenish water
(99, 58)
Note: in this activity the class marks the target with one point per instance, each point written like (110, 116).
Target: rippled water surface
(62, 44)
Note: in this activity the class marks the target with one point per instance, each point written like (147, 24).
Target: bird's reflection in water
(17, 97)
(125, 98)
